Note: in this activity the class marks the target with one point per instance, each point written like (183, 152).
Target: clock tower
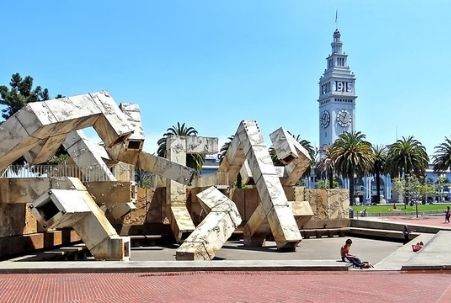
(336, 95)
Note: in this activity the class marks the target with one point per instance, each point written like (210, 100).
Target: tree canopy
(20, 93)
(442, 156)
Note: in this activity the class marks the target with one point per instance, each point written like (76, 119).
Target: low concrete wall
(361, 223)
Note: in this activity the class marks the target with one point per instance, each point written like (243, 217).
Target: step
(435, 255)
(402, 255)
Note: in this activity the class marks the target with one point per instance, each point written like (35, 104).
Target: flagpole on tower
(336, 18)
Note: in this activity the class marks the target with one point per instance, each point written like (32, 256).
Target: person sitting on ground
(346, 255)
(418, 246)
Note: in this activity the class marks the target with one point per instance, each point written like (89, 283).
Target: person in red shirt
(346, 254)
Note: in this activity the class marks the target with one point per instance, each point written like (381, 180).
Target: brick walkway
(436, 221)
(327, 287)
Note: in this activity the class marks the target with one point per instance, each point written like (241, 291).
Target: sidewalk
(367, 287)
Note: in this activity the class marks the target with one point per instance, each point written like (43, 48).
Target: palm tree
(353, 157)
(380, 157)
(192, 160)
(442, 156)
(407, 156)
(326, 164)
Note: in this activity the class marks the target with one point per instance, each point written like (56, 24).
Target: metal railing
(91, 173)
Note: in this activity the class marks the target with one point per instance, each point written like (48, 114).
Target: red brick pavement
(327, 287)
(436, 221)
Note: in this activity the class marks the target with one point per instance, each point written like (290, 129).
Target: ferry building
(337, 114)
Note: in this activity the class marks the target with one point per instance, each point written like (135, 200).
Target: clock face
(344, 118)
(325, 119)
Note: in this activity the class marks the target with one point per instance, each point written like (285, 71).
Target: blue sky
(212, 64)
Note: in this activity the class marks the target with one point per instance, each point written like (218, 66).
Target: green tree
(20, 94)
(380, 158)
(353, 157)
(398, 186)
(442, 156)
(405, 157)
(326, 165)
(143, 178)
(192, 160)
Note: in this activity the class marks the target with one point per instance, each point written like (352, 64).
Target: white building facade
(337, 103)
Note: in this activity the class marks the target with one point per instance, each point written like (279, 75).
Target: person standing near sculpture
(406, 233)
(447, 215)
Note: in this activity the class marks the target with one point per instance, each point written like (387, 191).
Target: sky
(211, 64)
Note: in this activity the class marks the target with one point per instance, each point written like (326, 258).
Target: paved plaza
(108, 282)
(356, 286)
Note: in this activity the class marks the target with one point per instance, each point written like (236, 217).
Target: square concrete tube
(177, 147)
(75, 208)
(283, 145)
(44, 150)
(133, 114)
(86, 155)
(211, 234)
(37, 121)
(60, 208)
(274, 203)
(181, 223)
(292, 153)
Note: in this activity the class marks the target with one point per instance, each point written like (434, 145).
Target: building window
(330, 63)
(341, 61)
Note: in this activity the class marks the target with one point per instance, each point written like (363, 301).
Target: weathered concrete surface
(177, 147)
(211, 234)
(118, 197)
(37, 122)
(402, 255)
(436, 254)
(86, 155)
(274, 204)
(74, 207)
(16, 219)
(330, 208)
(292, 153)
(27, 190)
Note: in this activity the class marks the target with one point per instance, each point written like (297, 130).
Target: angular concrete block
(271, 192)
(211, 234)
(260, 161)
(164, 167)
(15, 141)
(59, 208)
(302, 211)
(246, 174)
(192, 251)
(181, 223)
(86, 156)
(45, 150)
(201, 145)
(284, 228)
(133, 114)
(283, 146)
(256, 228)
